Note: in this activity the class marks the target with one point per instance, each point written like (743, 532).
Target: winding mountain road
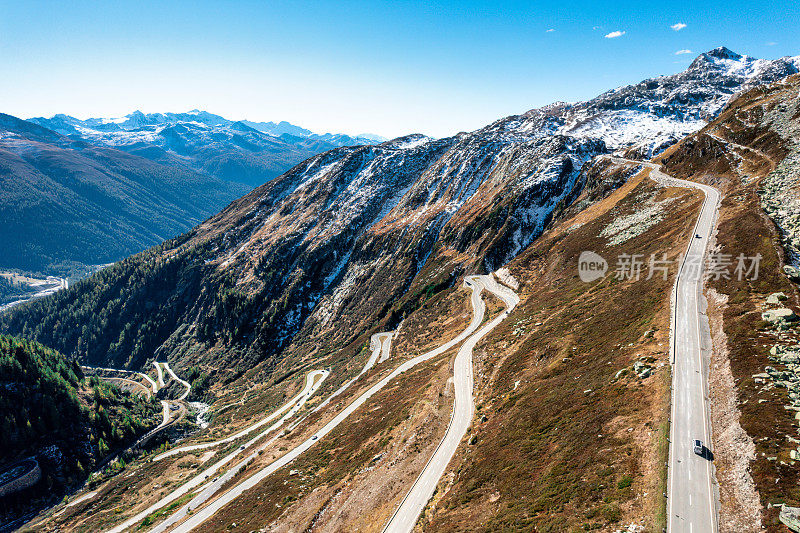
(380, 343)
(315, 378)
(384, 342)
(131, 385)
(179, 380)
(147, 378)
(691, 503)
(312, 383)
(475, 283)
(422, 490)
(153, 384)
(165, 419)
(160, 375)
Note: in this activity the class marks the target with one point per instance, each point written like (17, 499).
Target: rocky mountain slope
(356, 235)
(572, 415)
(244, 152)
(649, 116)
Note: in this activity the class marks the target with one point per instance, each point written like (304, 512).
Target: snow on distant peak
(409, 141)
(115, 120)
(724, 53)
(726, 62)
(656, 112)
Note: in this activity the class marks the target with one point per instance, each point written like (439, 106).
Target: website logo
(591, 266)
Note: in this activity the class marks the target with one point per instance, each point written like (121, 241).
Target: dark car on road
(698, 447)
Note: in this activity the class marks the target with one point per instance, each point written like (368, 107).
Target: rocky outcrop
(790, 517)
(780, 195)
(776, 298)
(782, 316)
(786, 358)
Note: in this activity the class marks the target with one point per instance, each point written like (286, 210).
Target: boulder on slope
(782, 314)
(792, 272)
(776, 298)
(790, 516)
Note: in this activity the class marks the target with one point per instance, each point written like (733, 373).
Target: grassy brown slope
(143, 481)
(326, 470)
(571, 447)
(744, 228)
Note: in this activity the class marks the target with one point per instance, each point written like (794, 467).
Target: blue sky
(389, 68)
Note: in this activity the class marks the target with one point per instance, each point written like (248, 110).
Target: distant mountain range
(245, 152)
(284, 127)
(65, 201)
(76, 192)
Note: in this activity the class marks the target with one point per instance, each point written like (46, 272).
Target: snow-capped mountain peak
(651, 115)
(723, 52)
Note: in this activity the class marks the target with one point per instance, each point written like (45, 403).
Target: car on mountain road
(698, 447)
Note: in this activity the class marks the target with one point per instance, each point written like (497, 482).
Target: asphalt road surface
(160, 374)
(309, 388)
(131, 386)
(385, 342)
(691, 499)
(147, 378)
(381, 344)
(408, 512)
(211, 486)
(179, 380)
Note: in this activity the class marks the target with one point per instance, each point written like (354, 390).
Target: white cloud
(771, 43)
(678, 27)
(550, 30)
(684, 51)
(614, 34)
